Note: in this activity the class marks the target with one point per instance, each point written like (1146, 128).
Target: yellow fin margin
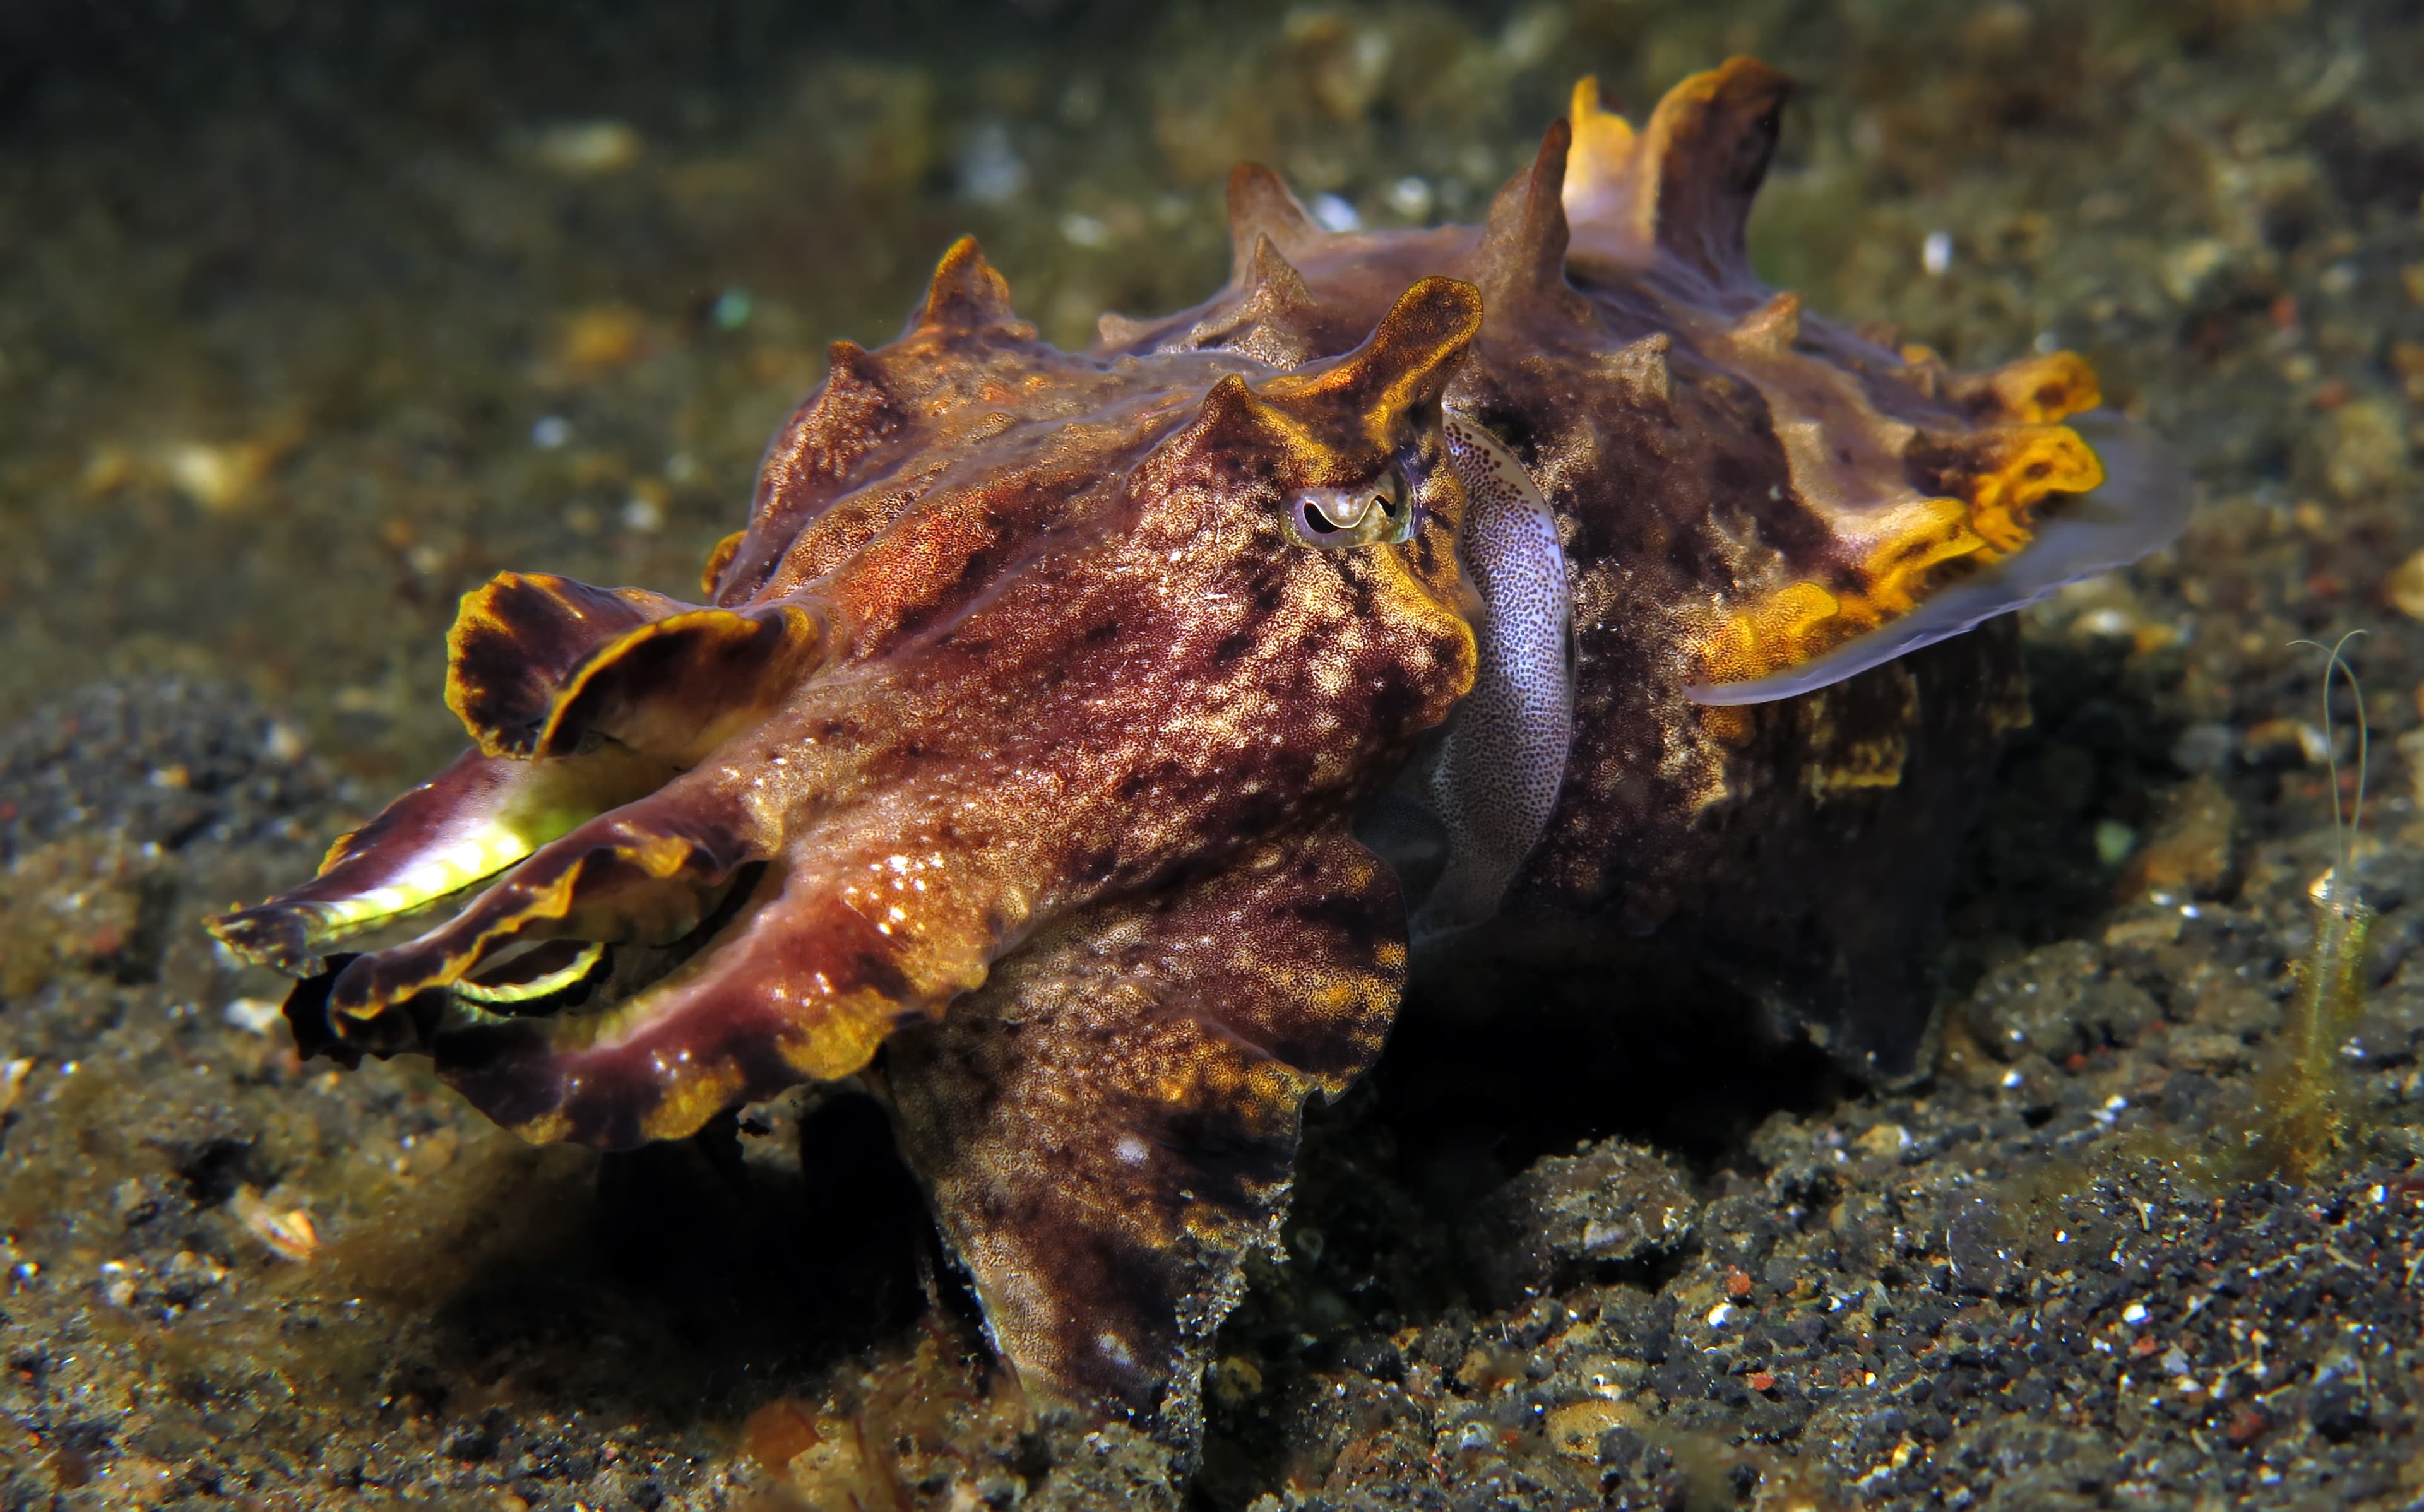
(2005, 474)
(2038, 461)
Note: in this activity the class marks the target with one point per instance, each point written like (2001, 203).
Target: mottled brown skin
(1011, 765)
(1797, 849)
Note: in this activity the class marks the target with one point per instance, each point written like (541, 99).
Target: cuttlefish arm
(1109, 1124)
(1031, 807)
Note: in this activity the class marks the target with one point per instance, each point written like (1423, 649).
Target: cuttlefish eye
(1369, 513)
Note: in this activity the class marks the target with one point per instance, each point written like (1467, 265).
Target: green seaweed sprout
(2302, 1109)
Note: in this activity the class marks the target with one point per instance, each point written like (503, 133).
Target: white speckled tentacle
(1503, 757)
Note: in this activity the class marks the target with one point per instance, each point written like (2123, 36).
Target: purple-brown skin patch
(1011, 766)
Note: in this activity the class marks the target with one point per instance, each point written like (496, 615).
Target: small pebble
(991, 172)
(587, 149)
(1411, 196)
(1336, 214)
(2404, 587)
(290, 1234)
(254, 1015)
(2115, 840)
(1080, 229)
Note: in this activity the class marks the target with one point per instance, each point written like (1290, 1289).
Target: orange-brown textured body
(1011, 764)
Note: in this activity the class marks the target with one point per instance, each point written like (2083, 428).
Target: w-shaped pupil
(1343, 511)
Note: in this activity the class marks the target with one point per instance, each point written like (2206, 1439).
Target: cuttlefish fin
(2137, 499)
(1107, 1127)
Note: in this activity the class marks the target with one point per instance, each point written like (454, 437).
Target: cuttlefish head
(1013, 634)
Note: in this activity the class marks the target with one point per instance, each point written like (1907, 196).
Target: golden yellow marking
(522, 991)
(1429, 327)
(1604, 201)
(1804, 620)
(449, 869)
(1930, 532)
(1726, 723)
(717, 560)
(2023, 465)
(1777, 632)
(2038, 391)
(690, 1099)
(1836, 766)
(2045, 459)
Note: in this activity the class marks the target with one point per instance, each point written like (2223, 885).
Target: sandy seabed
(309, 322)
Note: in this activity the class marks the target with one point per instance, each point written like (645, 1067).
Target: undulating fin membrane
(517, 636)
(677, 687)
(479, 815)
(1107, 1126)
(2142, 505)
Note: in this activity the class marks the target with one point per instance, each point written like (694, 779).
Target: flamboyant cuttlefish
(1076, 745)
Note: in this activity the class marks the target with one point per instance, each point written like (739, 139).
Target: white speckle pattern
(1499, 765)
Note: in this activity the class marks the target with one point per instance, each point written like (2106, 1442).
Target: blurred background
(313, 316)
